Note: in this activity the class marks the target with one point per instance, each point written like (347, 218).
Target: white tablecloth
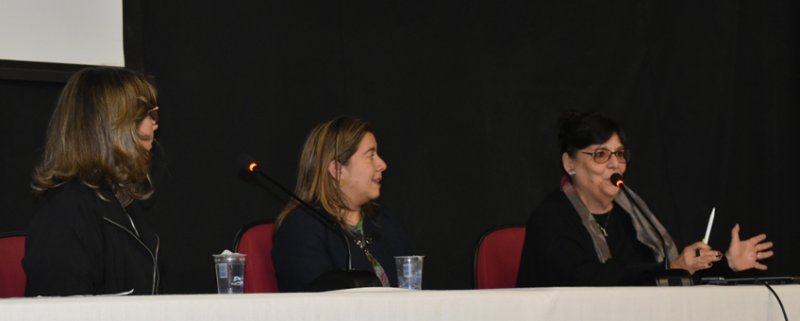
(749, 302)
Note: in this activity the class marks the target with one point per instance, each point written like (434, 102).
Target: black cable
(776, 297)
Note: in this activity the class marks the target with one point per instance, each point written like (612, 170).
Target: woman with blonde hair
(88, 235)
(339, 174)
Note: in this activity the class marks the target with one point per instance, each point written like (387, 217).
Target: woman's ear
(567, 162)
(333, 170)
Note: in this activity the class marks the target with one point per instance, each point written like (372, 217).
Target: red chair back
(255, 240)
(497, 257)
(12, 276)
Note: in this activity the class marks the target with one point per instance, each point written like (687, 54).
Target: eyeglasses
(602, 155)
(154, 114)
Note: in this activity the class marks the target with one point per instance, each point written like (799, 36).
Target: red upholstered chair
(497, 257)
(255, 240)
(12, 276)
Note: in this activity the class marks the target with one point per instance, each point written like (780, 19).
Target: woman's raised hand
(744, 255)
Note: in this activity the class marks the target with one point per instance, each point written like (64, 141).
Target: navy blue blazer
(304, 248)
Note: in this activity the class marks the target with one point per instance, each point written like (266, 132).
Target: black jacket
(304, 249)
(78, 243)
(558, 251)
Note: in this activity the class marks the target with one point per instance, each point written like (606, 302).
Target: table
(707, 302)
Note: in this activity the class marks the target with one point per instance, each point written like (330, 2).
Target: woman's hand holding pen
(696, 257)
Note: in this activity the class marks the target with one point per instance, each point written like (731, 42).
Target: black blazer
(78, 243)
(304, 248)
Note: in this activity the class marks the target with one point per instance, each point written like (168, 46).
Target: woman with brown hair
(340, 174)
(88, 235)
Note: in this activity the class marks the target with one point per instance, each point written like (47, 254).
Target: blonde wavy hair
(338, 140)
(92, 136)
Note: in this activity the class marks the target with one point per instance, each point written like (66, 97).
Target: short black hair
(578, 130)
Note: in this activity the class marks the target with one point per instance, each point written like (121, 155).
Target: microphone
(617, 180)
(334, 279)
(668, 277)
(247, 162)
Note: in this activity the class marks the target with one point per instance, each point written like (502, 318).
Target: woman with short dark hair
(587, 233)
(88, 235)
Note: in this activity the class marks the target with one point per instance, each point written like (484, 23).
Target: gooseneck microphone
(248, 163)
(617, 180)
(334, 279)
(667, 277)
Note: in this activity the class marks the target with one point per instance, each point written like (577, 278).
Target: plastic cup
(230, 272)
(409, 271)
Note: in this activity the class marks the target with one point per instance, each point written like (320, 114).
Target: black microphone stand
(667, 277)
(660, 237)
(334, 279)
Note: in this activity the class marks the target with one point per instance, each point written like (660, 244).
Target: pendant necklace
(603, 228)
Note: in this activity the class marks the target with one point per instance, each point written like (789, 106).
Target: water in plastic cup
(230, 272)
(409, 271)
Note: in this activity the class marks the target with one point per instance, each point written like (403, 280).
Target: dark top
(304, 248)
(623, 244)
(78, 243)
(558, 250)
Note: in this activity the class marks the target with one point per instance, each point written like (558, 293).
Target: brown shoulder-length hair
(338, 140)
(92, 137)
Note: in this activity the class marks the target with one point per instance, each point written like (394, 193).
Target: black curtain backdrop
(464, 97)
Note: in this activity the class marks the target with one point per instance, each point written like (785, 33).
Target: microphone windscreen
(616, 179)
(244, 161)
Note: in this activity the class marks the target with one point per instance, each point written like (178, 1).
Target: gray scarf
(644, 232)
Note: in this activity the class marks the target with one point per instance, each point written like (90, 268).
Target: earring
(571, 173)
(341, 182)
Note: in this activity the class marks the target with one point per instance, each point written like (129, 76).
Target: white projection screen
(62, 32)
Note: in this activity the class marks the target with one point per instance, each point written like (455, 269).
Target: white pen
(710, 222)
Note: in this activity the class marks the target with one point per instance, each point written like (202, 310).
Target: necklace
(602, 227)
